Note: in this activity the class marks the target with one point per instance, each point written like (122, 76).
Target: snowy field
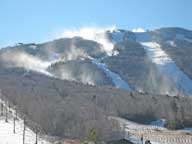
(7, 135)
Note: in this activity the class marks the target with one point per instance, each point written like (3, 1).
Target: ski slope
(168, 67)
(115, 78)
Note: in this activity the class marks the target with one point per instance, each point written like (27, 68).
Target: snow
(132, 128)
(138, 30)
(117, 36)
(6, 130)
(116, 79)
(93, 33)
(33, 46)
(159, 123)
(136, 126)
(168, 67)
(171, 43)
(157, 135)
(53, 56)
(27, 61)
(8, 137)
(100, 35)
(156, 54)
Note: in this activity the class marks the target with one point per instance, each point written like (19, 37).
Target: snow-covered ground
(168, 67)
(134, 130)
(136, 126)
(157, 135)
(159, 123)
(7, 136)
(115, 78)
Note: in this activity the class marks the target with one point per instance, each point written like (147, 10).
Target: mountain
(76, 83)
(156, 62)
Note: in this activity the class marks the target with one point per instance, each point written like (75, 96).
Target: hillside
(76, 83)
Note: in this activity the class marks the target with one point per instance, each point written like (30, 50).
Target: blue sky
(40, 20)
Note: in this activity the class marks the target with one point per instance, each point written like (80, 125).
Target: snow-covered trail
(6, 129)
(8, 137)
(168, 67)
(115, 78)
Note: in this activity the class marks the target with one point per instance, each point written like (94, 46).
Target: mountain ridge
(113, 48)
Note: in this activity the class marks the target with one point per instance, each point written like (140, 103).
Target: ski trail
(115, 78)
(168, 67)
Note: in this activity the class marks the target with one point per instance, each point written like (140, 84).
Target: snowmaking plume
(24, 60)
(93, 33)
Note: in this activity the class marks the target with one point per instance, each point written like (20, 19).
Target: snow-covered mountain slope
(159, 65)
(83, 71)
(101, 37)
(167, 67)
(116, 79)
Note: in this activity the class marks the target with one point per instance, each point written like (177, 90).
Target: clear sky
(40, 20)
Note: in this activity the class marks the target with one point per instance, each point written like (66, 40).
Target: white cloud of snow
(93, 33)
(137, 30)
(24, 60)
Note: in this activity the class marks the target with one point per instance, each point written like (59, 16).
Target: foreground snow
(8, 137)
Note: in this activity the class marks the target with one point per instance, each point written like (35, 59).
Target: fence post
(14, 125)
(24, 131)
(6, 115)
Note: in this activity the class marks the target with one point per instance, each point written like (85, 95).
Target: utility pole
(142, 139)
(9, 106)
(6, 110)
(1, 108)
(14, 119)
(95, 108)
(16, 111)
(24, 128)
(1, 98)
(37, 130)
(124, 131)
(36, 135)
(36, 138)
(6, 114)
